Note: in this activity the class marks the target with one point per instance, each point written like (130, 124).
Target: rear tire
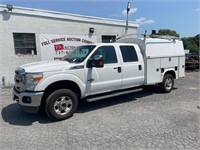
(167, 85)
(61, 104)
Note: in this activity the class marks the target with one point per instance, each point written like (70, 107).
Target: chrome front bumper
(28, 100)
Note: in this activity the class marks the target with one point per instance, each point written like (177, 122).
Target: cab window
(108, 53)
(128, 54)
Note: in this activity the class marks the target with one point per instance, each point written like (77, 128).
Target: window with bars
(108, 38)
(24, 43)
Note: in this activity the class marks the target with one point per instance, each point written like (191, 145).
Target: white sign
(55, 46)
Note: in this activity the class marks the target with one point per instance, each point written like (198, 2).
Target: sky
(183, 16)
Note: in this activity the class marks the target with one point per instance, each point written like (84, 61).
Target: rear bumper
(30, 101)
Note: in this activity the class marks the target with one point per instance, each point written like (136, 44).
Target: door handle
(140, 67)
(119, 69)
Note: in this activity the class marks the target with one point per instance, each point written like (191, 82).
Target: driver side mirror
(96, 62)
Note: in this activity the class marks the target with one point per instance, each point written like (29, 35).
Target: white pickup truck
(98, 71)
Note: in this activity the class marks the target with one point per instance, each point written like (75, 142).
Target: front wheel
(61, 104)
(168, 84)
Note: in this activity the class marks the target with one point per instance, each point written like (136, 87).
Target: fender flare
(60, 77)
(170, 70)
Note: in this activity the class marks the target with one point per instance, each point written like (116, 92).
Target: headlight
(32, 80)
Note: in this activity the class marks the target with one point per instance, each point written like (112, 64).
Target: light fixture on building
(9, 7)
(91, 30)
(128, 9)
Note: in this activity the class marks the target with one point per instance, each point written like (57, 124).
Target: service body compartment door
(181, 67)
(169, 62)
(153, 72)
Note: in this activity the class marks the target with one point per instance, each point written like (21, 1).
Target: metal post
(3, 80)
(128, 9)
(127, 23)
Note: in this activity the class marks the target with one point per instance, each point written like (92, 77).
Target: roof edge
(67, 16)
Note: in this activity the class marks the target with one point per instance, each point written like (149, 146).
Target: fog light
(26, 99)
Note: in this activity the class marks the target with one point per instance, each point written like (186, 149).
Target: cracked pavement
(142, 120)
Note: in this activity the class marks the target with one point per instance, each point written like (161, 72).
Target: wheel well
(171, 73)
(61, 85)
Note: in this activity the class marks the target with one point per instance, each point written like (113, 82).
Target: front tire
(168, 84)
(61, 104)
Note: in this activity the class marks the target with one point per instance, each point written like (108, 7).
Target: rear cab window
(128, 53)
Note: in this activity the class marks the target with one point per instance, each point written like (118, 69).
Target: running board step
(113, 94)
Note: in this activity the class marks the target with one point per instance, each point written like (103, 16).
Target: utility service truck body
(98, 71)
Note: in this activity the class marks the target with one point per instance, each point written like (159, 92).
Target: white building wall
(13, 22)
(1, 49)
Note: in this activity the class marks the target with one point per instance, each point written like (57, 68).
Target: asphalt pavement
(145, 120)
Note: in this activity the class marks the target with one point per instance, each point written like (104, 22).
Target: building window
(128, 54)
(24, 43)
(108, 38)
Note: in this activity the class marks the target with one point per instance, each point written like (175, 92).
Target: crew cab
(98, 71)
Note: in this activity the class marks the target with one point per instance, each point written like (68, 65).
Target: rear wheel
(61, 104)
(167, 85)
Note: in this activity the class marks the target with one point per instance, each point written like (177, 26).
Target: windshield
(79, 54)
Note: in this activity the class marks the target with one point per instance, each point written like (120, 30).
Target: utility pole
(128, 9)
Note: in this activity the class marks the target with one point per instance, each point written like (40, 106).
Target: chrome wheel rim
(63, 105)
(168, 83)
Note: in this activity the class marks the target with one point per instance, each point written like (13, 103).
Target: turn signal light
(38, 78)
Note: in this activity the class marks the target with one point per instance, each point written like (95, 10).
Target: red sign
(59, 47)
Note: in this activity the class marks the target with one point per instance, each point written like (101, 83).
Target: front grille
(19, 79)
(16, 90)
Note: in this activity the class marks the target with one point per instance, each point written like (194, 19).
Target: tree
(191, 43)
(168, 32)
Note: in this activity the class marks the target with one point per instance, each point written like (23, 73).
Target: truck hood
(46, 66)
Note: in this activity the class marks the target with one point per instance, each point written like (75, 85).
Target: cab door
(132, 66)
(108, 78)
